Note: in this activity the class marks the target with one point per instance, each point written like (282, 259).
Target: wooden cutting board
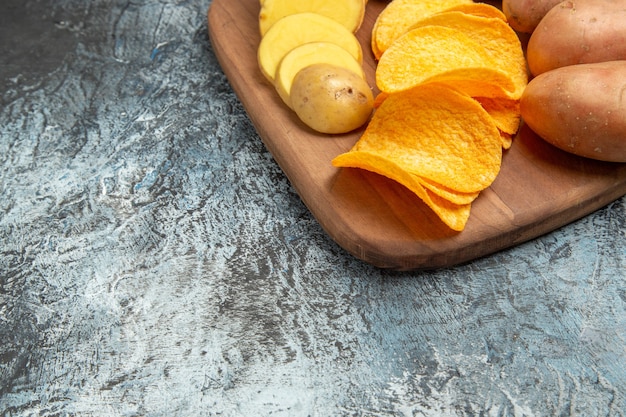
(539, 188)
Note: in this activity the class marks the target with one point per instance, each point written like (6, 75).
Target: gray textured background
(155, 261)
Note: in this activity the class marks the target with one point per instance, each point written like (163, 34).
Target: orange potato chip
(507, 140)
(433, 53)
(395, 19)
(436, 133)
(450, 75)
(504, 111)
(484, 82)
(378, 100)
(453, 196)
(453, 215)
(495, 35)
(478, 9)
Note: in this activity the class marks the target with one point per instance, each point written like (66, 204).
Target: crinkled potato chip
(436, 133)
(450, 74)
(449, 194)
(485, 82)
(507, 140)
(432, 53)
(505, 112)
(453, 215)
(478, 9)
(399, 15)
(495, 35)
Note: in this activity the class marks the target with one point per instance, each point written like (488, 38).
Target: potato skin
(525, 15)
(578, 32)
(580, 109)
(331, 99)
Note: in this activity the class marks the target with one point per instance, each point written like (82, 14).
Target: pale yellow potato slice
(297, 29)
(349, 13)
(310, 54)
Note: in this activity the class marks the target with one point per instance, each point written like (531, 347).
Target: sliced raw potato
(437, 53)
(331, 99)
(399, 15)
(300, 28)
(308, 54)
(348, 13)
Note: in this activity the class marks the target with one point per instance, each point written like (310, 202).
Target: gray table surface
(155, 261)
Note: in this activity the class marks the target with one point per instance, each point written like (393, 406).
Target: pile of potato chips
(451, 73)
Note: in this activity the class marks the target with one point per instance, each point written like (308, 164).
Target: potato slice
(309, 54)
(300, 28)
(349, 13)
(399, 15)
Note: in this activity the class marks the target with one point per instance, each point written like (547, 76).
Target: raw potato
(578, 32)
(349, 13)
(309, 54)
(580, 109)
(525, 15)
(300, 28)
(331, 99)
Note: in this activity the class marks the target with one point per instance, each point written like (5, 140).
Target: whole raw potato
(578, 32)
(331, 99)
(580, 109)
(525, 15)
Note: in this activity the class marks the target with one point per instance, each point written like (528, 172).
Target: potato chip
(453, 196)
(453, 215)
(378, 100)
(450, 77)
(505, 112)
(432, 53)
(507, 140)
(399, 15)
(478, 9)
(485, 82)
(436, 133)
(495, 36)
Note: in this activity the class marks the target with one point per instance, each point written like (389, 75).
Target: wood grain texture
(538, 189)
